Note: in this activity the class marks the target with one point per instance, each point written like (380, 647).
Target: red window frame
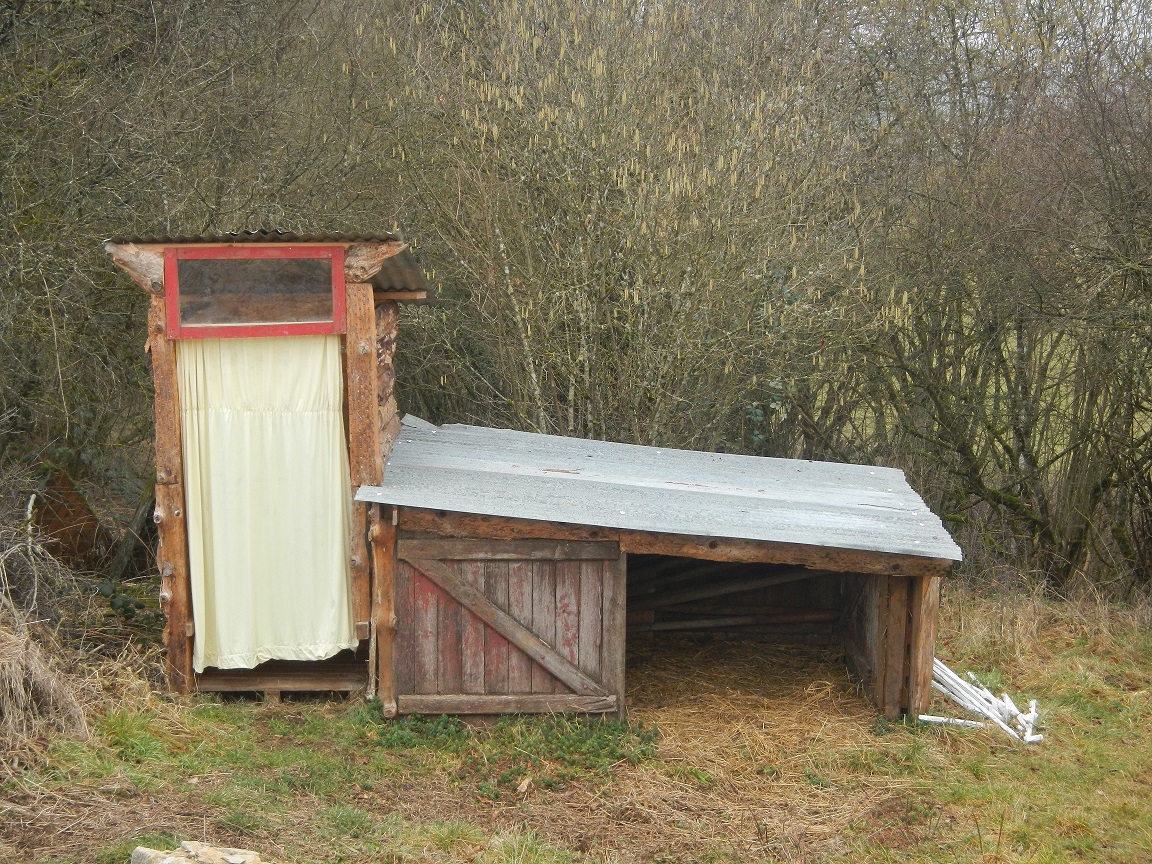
(174, 254)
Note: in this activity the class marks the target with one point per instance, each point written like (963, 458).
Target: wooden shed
(476, 570)
(524, 562)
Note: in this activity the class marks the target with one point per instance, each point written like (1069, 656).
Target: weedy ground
(732, 753)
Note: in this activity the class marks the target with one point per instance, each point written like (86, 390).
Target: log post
(925, 603)
(363, 438)
(170, 518)
(382, 535)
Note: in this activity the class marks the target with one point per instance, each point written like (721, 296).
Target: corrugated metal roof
(499, 472)
(261, 235)
(398, 273)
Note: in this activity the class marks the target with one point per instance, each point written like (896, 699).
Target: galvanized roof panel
(500, 472)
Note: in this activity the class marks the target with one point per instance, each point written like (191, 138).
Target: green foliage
(916, 234)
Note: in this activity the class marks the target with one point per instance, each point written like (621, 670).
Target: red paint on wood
(426, 597)
(449, 678)
(174, 254)
(496, 647)
(520, 590)
(403, 657)
(472, 653)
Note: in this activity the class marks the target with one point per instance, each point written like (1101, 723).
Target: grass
(788, 766)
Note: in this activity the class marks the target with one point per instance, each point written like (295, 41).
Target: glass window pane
(254, 291)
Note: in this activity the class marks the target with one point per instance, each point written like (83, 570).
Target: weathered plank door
(496, 626)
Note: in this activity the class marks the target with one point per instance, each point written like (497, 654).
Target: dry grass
(34, 698)
(765, 754)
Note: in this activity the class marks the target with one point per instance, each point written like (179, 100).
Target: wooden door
(495, 626)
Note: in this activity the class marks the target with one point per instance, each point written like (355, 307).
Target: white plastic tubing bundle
(979, 700)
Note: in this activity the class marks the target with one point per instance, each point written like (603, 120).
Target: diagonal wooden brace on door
(508, 627)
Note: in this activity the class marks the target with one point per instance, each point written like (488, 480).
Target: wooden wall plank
(472, 654)
(922, 642)
(426, 598)
(895, 648)
(528, 641)
(543, 619)
(364, 461)
(171, 521)
(520, 607)
(615, 627)
(449, 678)
(567, 639)
(382, 537)
(507, 704)
(295, 680)
(404, 649)
(720, 588)
(509, 550)
(591, 616)
(496, 647)
(707, 548)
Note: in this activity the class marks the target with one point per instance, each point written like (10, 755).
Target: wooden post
(382, 535)
(363, 438)
(172, 555)
(922, 639)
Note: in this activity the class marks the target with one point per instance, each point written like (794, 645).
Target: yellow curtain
(268, 499)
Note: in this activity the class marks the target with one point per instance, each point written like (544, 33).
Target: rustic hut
(487, 570)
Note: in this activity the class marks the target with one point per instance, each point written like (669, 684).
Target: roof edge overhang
(834, 559)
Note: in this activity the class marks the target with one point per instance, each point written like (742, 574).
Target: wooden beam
(763, 616)
(779, 613)
(362, 261)
(702, 592)
(381, 296)
(382, 535)
(925, 611)
(513, 704)
(145, 266)
(170, 518)
(690, 571)
(364, 461)
(508, 627)
(643, 542)
(294, 680)
(721, 622)
(507, 550)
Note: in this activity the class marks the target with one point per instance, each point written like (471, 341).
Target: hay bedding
(756, 757)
